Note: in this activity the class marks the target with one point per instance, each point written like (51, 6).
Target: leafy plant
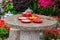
(4, 30)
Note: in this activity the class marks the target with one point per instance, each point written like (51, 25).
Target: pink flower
(0, 1)
(4, 4)
(52, 39)
(45, 3)
(58, 29)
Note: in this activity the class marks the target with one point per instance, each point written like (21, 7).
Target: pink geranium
(45, 3)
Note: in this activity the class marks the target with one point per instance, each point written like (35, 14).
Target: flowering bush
(4, 30)
(58, 19)
(45, 3)
(52, 34)
(47, 7)
(8, 6)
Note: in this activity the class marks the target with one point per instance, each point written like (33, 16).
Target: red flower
(4, 4)
(55, 32)
(7, 28)
(58, 19)
(59, 10)
(48, 31)
(58, 29)
(2, 24)
(58, 1)
(58, 16)
(54, 17)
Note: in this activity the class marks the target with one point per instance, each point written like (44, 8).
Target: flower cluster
(4, 30)
(45, 3)
(8, 6)
(58, 18)
(51, 33)
(46, 7)
(58, 1)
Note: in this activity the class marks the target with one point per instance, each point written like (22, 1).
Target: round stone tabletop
(15, 23)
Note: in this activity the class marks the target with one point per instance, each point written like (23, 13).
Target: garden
(30, 11)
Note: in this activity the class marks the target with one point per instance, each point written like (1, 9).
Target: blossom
(4, 4)
(58, 1)
(58, 19)
(45, 3)
(7, 28)
(58, 29)
(47, 31)
(51, 31)
(54, 17)
(59, 10)
(2, 24)
(55, 32)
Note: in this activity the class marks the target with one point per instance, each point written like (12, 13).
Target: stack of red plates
(28, 19)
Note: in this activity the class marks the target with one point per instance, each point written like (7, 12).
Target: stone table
(28, 31)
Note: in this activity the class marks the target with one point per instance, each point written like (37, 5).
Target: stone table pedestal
(28, 31)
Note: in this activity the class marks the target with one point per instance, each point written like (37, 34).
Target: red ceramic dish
(37, 20)
(22, 18)
(26, 21)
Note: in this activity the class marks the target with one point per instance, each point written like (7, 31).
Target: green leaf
(11, 6)
(3, 31)
(58, 37)
(1, 38)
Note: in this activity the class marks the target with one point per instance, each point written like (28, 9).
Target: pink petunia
(45, 3)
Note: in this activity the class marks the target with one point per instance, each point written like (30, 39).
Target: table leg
(14, 34)
(30, 35)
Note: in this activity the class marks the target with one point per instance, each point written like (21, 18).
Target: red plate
(26, 21)
(22, 18)
(37, 20)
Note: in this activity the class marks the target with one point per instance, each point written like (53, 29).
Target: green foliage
(58, 37)
(46, 11)
(1, 38)
(49, 11)
(49, 36)
(3, 32)
(33, 5)
(8, 7)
